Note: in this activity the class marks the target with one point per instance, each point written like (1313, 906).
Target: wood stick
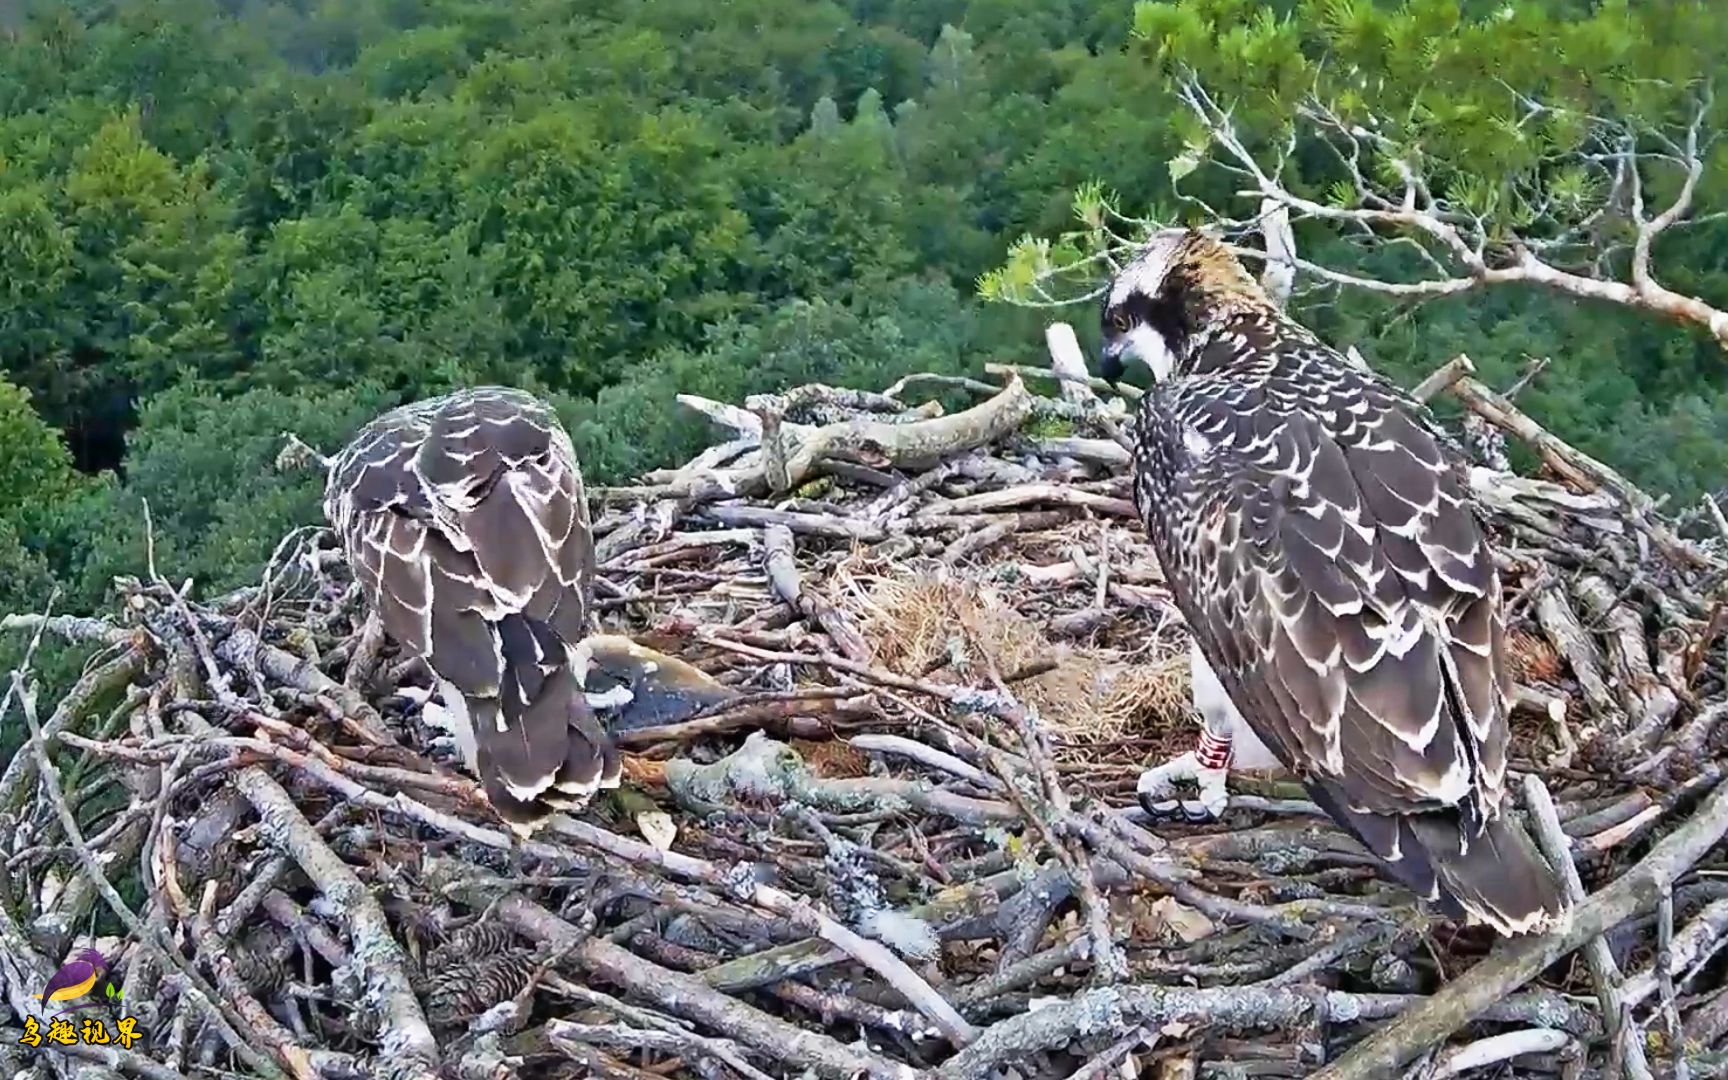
(1127, 390)
(1555, 844)
(77, 704)
(1441, 378)
(1116, 1010)
(408, 1047)
(917, 445)
(1575, 466)
(782, 566)
(194, 986)
(869, 953)
(1465, 998)
(680, 994)
(1069, 364)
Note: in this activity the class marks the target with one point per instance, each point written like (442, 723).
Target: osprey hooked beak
(1110, 365)
(1127, 337)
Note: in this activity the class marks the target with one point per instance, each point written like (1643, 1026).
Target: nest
(907, 845)
(959, 624)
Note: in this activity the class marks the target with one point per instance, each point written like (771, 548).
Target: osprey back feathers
(465, 522)
(1314, 528)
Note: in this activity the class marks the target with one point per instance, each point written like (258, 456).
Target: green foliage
(221, 221)
(344, 297)
(1599, 389)
(206, 466)
(1510, 114)
(602, 241)
(867, 342)
(26, 584)
(117, 280)
(1492, 106)
(36, 481)
(35, 470)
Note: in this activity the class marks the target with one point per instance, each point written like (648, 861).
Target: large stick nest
(909, 845)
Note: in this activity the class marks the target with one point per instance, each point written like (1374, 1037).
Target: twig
(1109, 965)
(1115, 1010)
(718, 1048)
(869, 953)
(407, 1042)
(1442, 378)
(1497, 1048)
(1105, 1062)
(680, 994)
(1703, 936)
(927, 755)
(303, 1064)
(1556, 845)
(1639, 889)
(1093, 382)
(195, 987)
(73, 708)
(1665, 977)
(782, 569)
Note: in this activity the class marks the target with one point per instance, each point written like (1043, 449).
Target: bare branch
(1565, 249)
(1493, 979)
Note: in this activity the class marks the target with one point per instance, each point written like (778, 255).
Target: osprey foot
(1157, 789)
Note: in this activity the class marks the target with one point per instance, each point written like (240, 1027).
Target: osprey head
(1155, 304)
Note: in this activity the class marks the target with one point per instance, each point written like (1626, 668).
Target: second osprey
(1342, 598)
(464, 520)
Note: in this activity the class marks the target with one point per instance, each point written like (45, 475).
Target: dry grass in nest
(1532, 659)
(951, 625)
(832, 759)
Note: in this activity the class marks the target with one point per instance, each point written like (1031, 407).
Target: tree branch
(1491, 980)
(1464, 239)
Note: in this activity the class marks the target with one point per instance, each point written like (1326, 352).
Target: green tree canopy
(219, 221)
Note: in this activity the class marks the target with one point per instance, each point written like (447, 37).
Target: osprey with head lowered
(464, 520)
(1342, 598)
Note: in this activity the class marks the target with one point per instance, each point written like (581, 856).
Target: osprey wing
(1333, 574)
(465, 521)
(458, 511)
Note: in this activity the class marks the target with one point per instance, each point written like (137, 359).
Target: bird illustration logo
(76, 978)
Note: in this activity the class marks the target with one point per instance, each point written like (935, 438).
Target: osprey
(464, 520)
(1343, 602)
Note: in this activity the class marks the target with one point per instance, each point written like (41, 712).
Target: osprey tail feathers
(1499, 877)
(538, 745)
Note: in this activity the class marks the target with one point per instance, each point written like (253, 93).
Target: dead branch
(1467, 251)
(679, 994)
(1639, 890)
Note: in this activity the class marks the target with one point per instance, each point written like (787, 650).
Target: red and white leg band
(1214, 752)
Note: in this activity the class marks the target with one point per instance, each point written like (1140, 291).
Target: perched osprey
(1343, 600)
(464, 520)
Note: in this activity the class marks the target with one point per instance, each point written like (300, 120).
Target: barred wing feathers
(465, 521)
(1333, 573)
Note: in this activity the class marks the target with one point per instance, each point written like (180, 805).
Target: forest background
(224, 219)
